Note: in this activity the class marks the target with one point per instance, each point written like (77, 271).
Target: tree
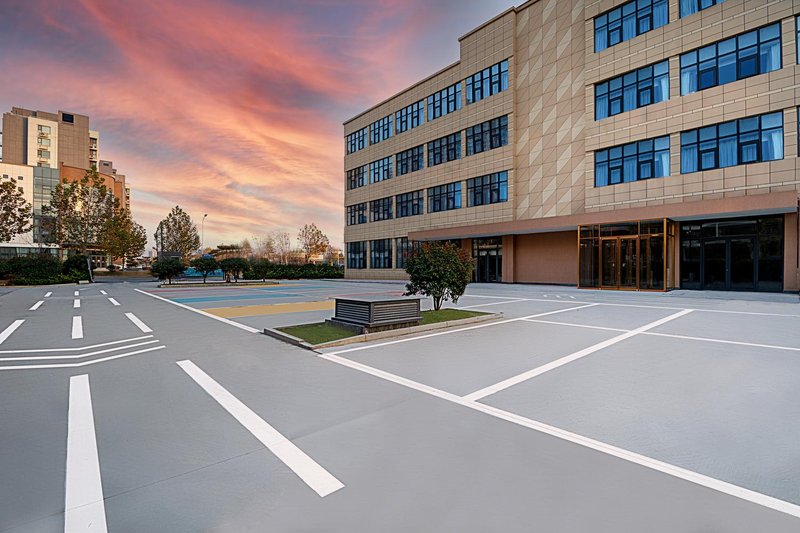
(122, 237)
(167, 268)
(233, 266)
(261, 268)
(15, 212)
(205, 265)
(180, 233)
(79, 211)
(312, 241)
(264, 247)
(283, 245)
(440, 270)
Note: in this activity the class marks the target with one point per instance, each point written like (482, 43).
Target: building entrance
(488, 255)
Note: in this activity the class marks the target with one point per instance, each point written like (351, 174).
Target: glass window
(627, 21)
(357, 254)
(356, 141)
(745, 55)
(689, 7)
(380, 209)
(380, 130)
(444, 197)
(380, 170)
(635, 161)
(487, 135)
(648, 85)
(410, 160)
(409, 117)
(356, 177)
(403, 249)
(357, 214)
(737, 142)
(490, 189)
(380, 253)
(445, 101)
(444, 149)
(409, 204)
(487, 82)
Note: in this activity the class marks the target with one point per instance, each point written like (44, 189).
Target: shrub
(76, 263)
(5, 270)
(233, 266)
(440, 270)
(167, 268)
(261, 269)
(39, 269)
(204, 265)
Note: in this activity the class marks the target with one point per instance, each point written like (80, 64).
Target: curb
(295, 341)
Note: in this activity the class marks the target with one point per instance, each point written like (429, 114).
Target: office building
(641, 144)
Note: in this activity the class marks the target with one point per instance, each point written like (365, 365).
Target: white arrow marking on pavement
(36, 306)
(139, 324)
(9, 330)
(84, 508)
(316, 477)
(77, 327)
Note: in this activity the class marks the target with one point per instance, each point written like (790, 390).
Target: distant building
(613, 144)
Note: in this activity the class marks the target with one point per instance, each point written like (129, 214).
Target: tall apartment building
(640, 144)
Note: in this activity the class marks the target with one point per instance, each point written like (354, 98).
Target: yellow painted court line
(272, 309)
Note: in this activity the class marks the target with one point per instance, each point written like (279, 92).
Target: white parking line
(490, 303)
(139, 324)
(103, 292)
(76, 293)
(525, 376)
(77, 356)
(555, 323)
(83, 363)
(113, 301)
(625, 455)
(201, 312)
(316, 477)
(722, 341)
(36, 306)
(9, 330)
(47, 294)
(77, 327)
(75, 349)
(76, 304)
(84, 507)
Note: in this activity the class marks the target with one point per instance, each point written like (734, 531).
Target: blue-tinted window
(380, 209)
(487, 135)
(640, 88)
(445, 101)
(444, 197)
(380, 253)
(487, 82)
(410, 204)
(737, 142)
(490, 189)
(444, 149)
(357, 214)
(356, 141)
(409, 117)
(357, 177)
(410, 160)
(357, 254)
(745, 55)
(689, 7)
(380, 170)
(380, 130)
(634, 161)
(797, 36)
(627, 21)
(403, 249)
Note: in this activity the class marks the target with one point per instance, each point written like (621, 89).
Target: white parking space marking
(77, 356)
(103, 292)
(76, 293)
(47, 294)
(201, 312)
(75, 349)
(9, 330)
(553, 322)
(451, 331)
(76, 304)
(84, 507)
(490, 303)
(77, 327)
(632, 457)
(316, 477)
(723, 341)
(83, 363)
(525, 376)
(139, 324)
(36, 306)
(113, 301)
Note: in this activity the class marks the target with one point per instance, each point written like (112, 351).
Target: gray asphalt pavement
(652, 432)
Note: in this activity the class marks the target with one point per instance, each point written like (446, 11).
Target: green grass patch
(444, 315)
(318, 333)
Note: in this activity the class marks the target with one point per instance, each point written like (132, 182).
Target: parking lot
(576, 411)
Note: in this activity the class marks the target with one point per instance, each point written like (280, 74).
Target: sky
(231, 108)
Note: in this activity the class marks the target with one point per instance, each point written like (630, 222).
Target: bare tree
(283, 245)
(264, 247)
(312, 241)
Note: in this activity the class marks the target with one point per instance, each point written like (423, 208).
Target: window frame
(409, 117)
(380, 170)
(381, 209)
(446, 197)
(613, 20)
(356, 255)
(410, 160)
(487, 82)
(409, 204)
(380, 250)
(444, 149)
(356, 141)
(380, 130)
(619, 160)
(488, 189)
(492, 133)
(642, 79)
(356, 214)
(444, 102)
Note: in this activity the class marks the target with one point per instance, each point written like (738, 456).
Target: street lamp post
(202, 235)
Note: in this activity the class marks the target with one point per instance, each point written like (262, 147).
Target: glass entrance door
(609, 264)
(715, 271)
(619, 263)
(627, 263)
(742, 261)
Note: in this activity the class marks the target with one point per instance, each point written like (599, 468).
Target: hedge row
(309, 271)
(43, 269)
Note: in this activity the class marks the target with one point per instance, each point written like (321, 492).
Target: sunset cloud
(232, 109)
